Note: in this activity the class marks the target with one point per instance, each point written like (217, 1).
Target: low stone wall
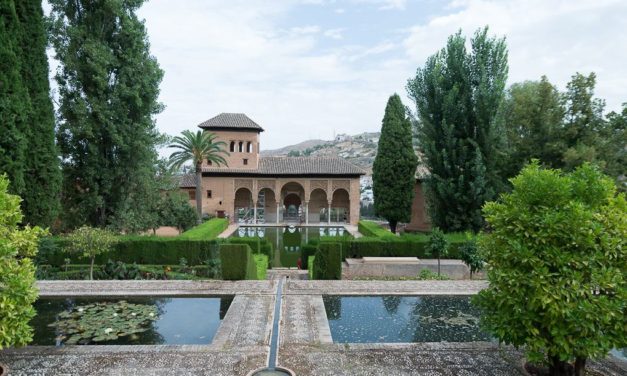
(403, 267)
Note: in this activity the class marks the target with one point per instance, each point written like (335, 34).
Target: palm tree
(197, 147)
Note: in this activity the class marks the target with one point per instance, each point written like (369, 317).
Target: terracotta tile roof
(187, 181)
(230, 121)
(295, 166)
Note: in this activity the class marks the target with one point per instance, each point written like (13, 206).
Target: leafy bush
(237, 262)
(119, 270)
(437, 246)
(328, 261)
(372, 229)
(470, 256)
(207, 230)
(90, 242)
(17, 273)
(556, 266)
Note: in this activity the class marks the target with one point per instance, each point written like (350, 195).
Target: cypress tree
(14, 101)
(457, 95)
(108, 86)
(394, 168)
(42, 173)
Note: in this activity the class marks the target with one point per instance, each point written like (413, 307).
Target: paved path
(242, 341)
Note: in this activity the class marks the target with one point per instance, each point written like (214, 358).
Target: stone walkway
(242, 341)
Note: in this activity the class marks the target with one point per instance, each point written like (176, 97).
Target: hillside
(358, 149)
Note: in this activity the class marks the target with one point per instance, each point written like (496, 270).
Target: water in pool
(371, 319)
(287, 241)
(136, 321)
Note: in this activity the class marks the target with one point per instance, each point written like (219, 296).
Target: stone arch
(318, 205)
(340, 205)
(243, 205)
(292, 199)
(266, 205)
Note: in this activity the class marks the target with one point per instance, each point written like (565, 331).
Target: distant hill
(359, 149)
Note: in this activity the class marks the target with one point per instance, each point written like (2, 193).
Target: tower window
(249, 147)
(209, 193)
(241, 147)
(209, 162)
(245, 161)
(232, 148)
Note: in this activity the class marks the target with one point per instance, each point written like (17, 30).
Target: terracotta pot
(4, 369)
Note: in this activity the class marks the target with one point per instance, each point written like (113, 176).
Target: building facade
(273, 190)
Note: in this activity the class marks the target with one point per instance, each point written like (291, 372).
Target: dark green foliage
(457, 95)
(108, 89)
(139, 249)
(532, 116)
(207, 230)
(42, 173)
(14, 100)
(174, 210)
(237, 262)
(556, 266)
(372, 229)
(307, 251)
(327, 262)
(394, 168)
(404, 246)
(470, 255)
(118, 270)
(257, 245)
(252, 242)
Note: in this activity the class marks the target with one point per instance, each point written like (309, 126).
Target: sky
(306, 69)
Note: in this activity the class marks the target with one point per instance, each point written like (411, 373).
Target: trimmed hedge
(139, 249)
(307, 251)
(328, 261)
(237, 262)
(372, 229)
(207, 230)
(397, 247)
(257, 245)
(261, 264)
(310, 263)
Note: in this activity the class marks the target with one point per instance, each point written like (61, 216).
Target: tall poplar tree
(42, 172)
(457, 95)
(394, 168)
(14, 101)
(108, 88)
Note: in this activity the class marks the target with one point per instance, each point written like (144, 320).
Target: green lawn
(207, 230)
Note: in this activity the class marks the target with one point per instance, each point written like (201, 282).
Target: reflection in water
(181, 320)
(370, 319)
(288, 240)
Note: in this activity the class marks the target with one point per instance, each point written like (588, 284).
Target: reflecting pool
(132, 321)
(392, 318)
(287, 241)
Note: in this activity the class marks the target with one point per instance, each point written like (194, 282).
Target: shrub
(307, 251)
(17, 273)
(257, 245)
(328, 261)
(237, 262)
(372, 229)
(140, 249)
(206, 230)
(261, 264)
(310, 264)
(556, 266)
(90, 242)
(437, 246)
(470, 256)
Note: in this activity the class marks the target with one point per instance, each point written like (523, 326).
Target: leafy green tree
(17, 271)
(196, 148)
(457, 95)
(14, 100)
(176, 211)
(108, 89)
(532, 117)
(90, 242)
(437, 245)
(394, 168)
(555, 258)
(614, 139)
(469, 253)
(42, 172)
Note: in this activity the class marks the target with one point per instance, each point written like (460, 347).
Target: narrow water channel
(274, 338)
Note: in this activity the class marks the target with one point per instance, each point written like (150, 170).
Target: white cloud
(556, 38)
(334, 33)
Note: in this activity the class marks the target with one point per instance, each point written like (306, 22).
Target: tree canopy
(394, 168)
(555, 258)
(457, 95)
(108, 88)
